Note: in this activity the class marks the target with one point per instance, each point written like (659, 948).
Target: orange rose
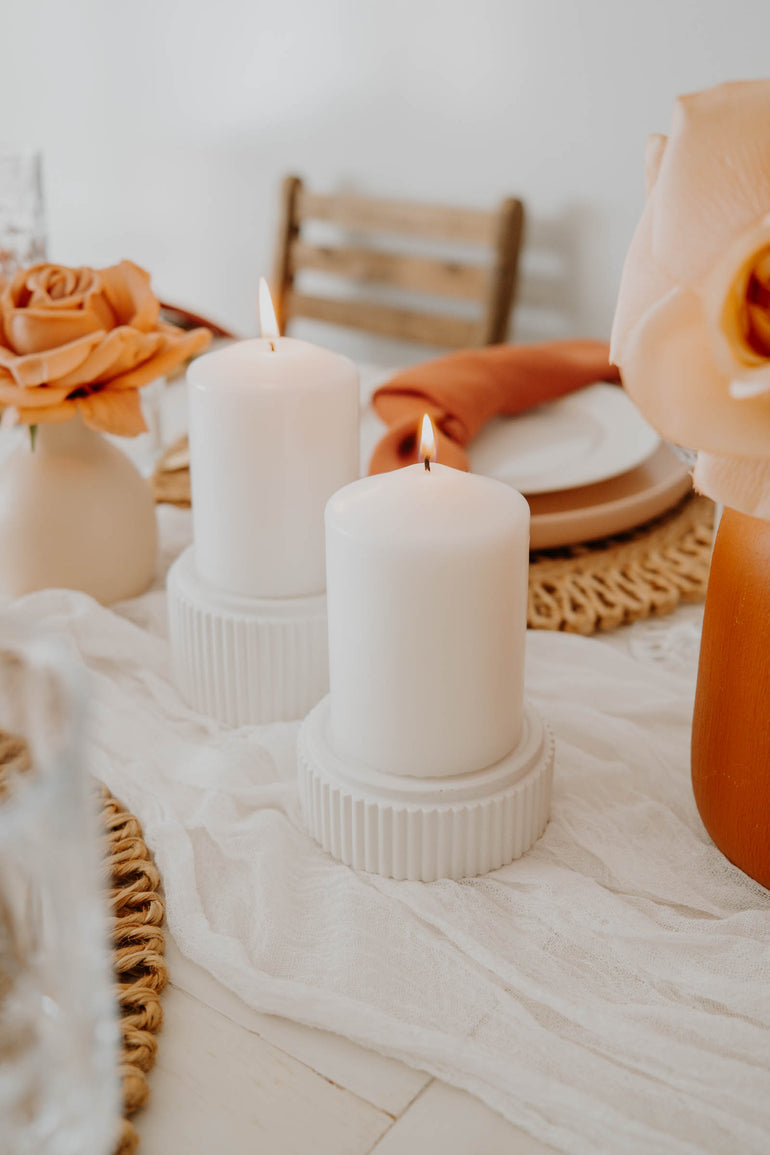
(85, 341)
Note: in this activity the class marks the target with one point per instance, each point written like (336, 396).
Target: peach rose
(84, 341)
(692, 326)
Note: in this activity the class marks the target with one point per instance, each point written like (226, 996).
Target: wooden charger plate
(572, 516)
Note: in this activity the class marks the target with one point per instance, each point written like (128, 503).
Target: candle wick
(272, 346)
(427, 465)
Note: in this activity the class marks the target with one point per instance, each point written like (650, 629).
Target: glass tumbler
(22, 214)
(59, 1089)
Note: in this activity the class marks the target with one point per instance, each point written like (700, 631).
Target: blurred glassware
(22, 212)
(58, 1023)
(689, 457)
(686, 455)
(159, 410)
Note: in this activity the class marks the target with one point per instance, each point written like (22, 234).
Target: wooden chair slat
(286, 236)
(502, 283)
(385, 320)
(493, 286)
(418, 274)
(374, 214)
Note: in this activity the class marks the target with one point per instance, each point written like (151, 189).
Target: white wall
(166, 125)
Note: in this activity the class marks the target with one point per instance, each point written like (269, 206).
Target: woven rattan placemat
(169, 482)
(585, 588)
(133, 892)
(621, 579)
(138, 945)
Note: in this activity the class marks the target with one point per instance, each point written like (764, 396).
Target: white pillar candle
(427, 605)
(273, 426)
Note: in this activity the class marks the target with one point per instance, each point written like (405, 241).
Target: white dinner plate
(617, 504)
(585, 437)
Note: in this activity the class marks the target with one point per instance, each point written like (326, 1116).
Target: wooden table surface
(229, 1080)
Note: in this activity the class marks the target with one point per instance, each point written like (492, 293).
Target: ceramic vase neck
(75, 513)
(64, 436)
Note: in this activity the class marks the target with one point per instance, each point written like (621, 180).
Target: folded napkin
(462, 391)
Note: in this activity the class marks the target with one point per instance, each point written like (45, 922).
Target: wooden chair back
(491, 284)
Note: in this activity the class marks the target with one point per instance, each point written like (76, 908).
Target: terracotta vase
(75, 513)
(731, 724)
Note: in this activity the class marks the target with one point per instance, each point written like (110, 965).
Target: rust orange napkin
(463, 390)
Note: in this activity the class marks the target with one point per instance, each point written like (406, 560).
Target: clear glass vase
(59, 1089)
(22, 214)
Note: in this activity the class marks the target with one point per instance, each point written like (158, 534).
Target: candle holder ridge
(423, 829)
(245, 660)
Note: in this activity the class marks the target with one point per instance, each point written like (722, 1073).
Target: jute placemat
(138, 945)
(621, 579)
(133, 891)
(579, 589)
(170, 480)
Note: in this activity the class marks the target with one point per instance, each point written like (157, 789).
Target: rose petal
(714, 179)
(669, 370)
(642, 284)
(759, 318)
(121, 350)
(59, 287)
(127, 289)
(3, 286)
(113, 412)
(759, 383)
(39, 299)
(15, 292)
(741, 483)
(56, 414)
(51, 289)
(653, 156)
(58, 284)
(11, 394)
(176, 351)
(36, 330)
(725, 300)
(41, 368)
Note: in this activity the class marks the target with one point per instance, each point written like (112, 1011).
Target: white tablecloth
(607, 992)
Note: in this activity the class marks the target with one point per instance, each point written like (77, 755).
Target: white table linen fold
(608, 992)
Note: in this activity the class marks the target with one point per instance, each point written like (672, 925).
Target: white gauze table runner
(608, 992)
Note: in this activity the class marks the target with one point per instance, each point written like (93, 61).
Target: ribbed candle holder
(245, 660)
(423, 829)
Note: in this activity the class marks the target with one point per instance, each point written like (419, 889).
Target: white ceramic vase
(75, 513)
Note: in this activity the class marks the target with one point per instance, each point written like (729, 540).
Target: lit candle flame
(268, 325)
(427, 442)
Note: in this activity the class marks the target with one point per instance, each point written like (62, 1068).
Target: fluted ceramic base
(245, 660)
(425, 828)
